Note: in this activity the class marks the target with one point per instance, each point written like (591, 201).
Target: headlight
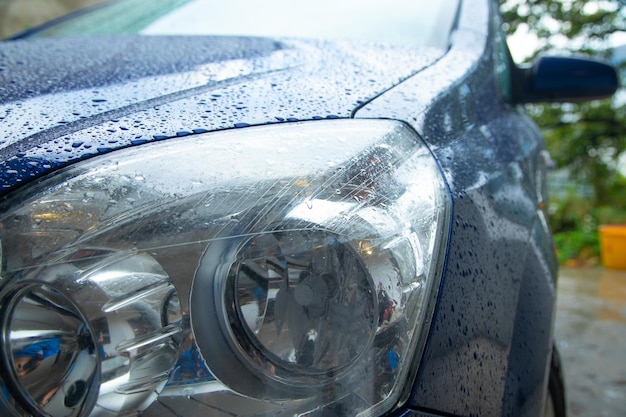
(279, 270)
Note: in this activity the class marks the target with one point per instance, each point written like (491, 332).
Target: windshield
(414, 22)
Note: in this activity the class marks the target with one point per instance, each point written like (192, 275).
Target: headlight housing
(283, 269)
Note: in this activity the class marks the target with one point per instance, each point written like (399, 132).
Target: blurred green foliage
(575, 220)
(587, 139)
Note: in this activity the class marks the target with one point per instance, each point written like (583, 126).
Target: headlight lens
(284, 270)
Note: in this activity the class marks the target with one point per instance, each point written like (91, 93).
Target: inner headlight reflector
(52, 351)
(304, 298)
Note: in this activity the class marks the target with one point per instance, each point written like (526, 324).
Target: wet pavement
(591, 336)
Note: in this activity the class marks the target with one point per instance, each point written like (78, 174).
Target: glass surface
(280, 289)
(413, 22)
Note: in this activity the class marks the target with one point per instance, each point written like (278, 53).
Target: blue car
(235, 209)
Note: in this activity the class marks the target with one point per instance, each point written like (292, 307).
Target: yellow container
(613, 246)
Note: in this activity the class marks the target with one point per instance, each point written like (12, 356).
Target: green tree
(584, 26)
(587, 138)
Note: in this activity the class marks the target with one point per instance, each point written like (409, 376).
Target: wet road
(591, 336)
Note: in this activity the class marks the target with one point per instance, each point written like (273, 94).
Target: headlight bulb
(303, 303)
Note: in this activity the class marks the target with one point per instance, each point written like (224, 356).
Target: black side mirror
(560, 79)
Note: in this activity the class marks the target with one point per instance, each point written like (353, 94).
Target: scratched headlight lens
(278, 270)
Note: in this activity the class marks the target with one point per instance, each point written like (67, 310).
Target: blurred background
(587, 207)
(19, 15)
(588, 140)
(588, 185)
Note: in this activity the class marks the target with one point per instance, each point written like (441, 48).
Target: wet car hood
(63, 100)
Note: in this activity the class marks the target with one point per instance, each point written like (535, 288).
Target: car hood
(63, 100)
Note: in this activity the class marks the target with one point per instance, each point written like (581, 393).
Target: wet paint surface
(591, 336)
(149, 89)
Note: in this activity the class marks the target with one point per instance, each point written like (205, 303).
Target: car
(243, 209)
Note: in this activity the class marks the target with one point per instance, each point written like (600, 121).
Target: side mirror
(561, 79)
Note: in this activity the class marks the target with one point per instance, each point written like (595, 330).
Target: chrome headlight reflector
(284, 269)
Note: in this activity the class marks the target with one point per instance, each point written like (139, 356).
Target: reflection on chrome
(52, 351)
(97, 331)
(190, 368)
